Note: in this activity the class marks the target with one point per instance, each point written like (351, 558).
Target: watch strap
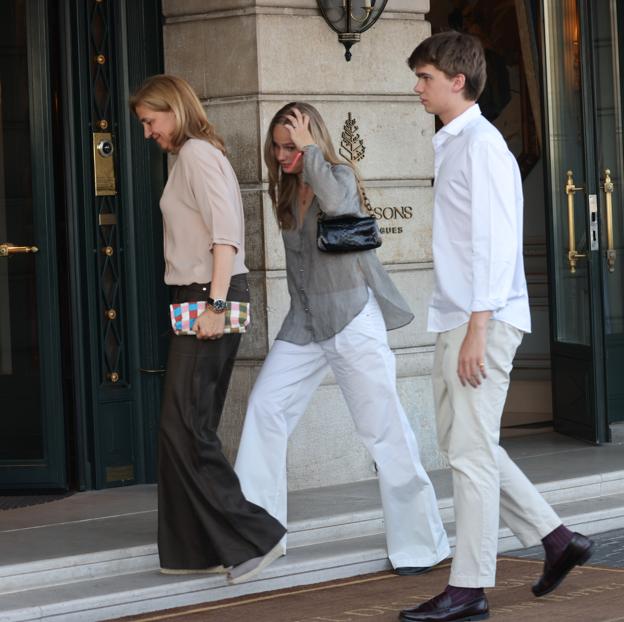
(216, 304)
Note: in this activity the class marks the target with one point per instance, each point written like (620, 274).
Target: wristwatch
(216, 304)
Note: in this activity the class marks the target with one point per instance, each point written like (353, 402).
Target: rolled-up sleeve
(217, 196)
(494, 224)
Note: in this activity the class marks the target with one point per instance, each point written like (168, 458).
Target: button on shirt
(477, 227)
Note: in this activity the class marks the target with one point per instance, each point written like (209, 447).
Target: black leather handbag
(347, 234)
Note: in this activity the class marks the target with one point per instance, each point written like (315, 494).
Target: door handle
(7, 249)
(573, 255)
(608, 191)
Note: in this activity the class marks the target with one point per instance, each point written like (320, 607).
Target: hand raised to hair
(298, 127)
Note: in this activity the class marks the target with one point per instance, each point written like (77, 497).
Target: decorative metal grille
(107, 224)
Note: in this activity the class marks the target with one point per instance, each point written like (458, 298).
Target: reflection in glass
(609, 138)
(565, 134)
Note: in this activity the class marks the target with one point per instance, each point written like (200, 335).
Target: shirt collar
(456, 126)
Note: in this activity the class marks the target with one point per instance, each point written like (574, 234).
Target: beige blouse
(201, 206)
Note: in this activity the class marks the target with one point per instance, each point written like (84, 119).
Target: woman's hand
(209, 325)
(298, 127)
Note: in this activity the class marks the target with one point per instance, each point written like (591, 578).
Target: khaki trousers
(484, 477)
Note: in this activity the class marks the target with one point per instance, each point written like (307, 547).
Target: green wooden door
(82, 321)
(117, 264)
(32, 437)
(585, 174)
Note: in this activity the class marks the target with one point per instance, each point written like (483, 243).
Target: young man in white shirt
(480, 310)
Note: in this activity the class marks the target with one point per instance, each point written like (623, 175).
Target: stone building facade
(246, 59)
(84, 325)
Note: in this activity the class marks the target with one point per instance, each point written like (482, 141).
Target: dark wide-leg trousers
(203, 518)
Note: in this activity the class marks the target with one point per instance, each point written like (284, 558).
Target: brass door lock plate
(104, 164)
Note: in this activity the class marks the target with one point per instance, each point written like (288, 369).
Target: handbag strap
(367, 204)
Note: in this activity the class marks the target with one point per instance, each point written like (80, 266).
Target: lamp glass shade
(353, 16)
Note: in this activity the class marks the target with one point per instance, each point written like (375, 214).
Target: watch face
(218, 305)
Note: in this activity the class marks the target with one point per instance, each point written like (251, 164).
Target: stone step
(317, 516)
(617, 432)
(95, 599)
(312, 520)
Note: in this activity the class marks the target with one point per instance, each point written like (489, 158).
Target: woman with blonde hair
(204, 522)
(341, 306)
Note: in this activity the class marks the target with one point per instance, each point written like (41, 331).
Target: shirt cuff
(487, 305)
(225, 241)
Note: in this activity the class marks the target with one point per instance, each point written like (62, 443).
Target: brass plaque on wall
(120, 473)
(104, 164)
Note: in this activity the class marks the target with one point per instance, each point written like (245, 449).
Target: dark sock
(463, 595)
(556, 541)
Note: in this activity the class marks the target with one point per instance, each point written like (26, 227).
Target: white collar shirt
(477, 227)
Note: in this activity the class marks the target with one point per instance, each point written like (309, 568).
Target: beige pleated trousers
(485, 480)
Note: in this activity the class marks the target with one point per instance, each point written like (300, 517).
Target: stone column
(247, 58)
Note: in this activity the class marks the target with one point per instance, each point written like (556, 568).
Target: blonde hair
(283, 186)
(167, 93)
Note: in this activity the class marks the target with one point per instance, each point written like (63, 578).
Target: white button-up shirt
(477, 227)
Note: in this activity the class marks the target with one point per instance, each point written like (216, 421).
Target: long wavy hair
(283, 186)
(167, 93)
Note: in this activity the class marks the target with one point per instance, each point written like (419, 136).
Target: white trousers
(364, 368)
(484, 477)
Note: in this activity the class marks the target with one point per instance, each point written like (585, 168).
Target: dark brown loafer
(441, 609)
(578, 551)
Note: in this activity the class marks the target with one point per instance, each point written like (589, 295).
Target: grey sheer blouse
(327, 290)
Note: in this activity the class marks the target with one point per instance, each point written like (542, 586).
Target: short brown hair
(453, 53)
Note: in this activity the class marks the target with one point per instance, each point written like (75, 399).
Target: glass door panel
(20, 424)
(566, 143)
(582, 68)
(575, 303)
(32, 444)
(610, 161)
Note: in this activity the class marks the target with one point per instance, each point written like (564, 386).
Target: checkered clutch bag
(184, 314)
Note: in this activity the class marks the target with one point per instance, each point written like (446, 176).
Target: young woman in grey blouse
(204, 522)
(341, 306)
